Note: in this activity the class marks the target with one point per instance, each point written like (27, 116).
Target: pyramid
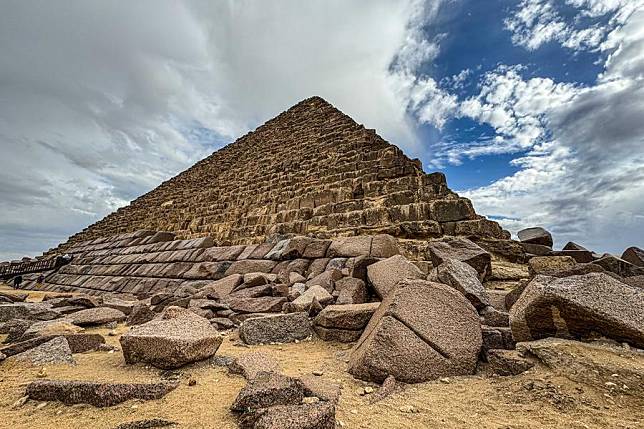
(311, 171)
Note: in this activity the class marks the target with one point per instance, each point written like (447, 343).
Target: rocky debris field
(348, 333)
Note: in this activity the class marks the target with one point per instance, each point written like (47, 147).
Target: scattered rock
(352, 291)
(279, 328)
(389, 386)
(634, 255)
(303, 302)
(147, 424)
(461, 249)
(54, 352)
(139, 315)
(251, 364)
(96, 394)
(549, 265)
(464, 279)
(267, 389)
(326, 279)
(320, 415)
(579, 305)
(619, 266)
(535, 235)
(179, 337)
(431, 329)
(96, 316)
(385, 275)
(507, 362)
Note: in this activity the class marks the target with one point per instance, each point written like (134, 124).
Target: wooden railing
(18, 268)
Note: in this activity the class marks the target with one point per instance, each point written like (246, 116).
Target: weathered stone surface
(634, 255)
(464, 279)
(536, 249)
(326, 279)
(279, 328)
(27, 311)
(81, 300)
(140, 314)
(352, 317)
(384, 246)
(507, 362)
(96, 316)
(50, 327)
(319, 415)
(618, 266)
(536, 235)
(119, 304)
(584, 304)
(320, 388)
(463, 250)
(490, 316)
(350, 246)
(549, 265)
(268, 389)
(54, 352)
(635, 281)
(96, 394)
(337, 334)
(179, 337)
(431, 329)
(251, 364)
(147, 424)
(264, 304)
(251, 266)
(573, 246)
(352, 291)
(385, 275)
(15, 296)
(207, 270)
(314, 292)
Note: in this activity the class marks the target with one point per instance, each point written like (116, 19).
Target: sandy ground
(536, 399)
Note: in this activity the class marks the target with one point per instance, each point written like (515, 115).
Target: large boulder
(634, 255)
(535, 235)
(421, 331)
(278, 328)
(550, 265)
(344, 323)
(28, 311)
(54, 352)
(351, 291)
(251, 364)
(267, 389)
(618, 266)
(97, 316)
(179, 337)
(464, 279)
(579, 306)
(385, 274)
(96, 394)
(461, 249)
(319, 415)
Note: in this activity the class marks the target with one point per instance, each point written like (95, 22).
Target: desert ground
(539, 398)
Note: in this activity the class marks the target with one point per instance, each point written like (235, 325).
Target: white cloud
(537, 22)
(583, 179)
(101, 101)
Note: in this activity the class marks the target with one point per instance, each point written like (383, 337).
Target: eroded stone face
(578, 306)
(178, 338)
(421, 331)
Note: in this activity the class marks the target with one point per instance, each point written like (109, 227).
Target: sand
(536, 399)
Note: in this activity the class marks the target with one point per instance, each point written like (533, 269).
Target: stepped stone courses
(310, 170)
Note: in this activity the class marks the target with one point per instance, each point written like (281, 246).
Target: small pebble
(192, 382)
(318, 373)
(310, 400)
(368, 389)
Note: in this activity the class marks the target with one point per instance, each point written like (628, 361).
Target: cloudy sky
(533, 108)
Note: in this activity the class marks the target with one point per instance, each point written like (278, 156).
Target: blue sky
(532, 108)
